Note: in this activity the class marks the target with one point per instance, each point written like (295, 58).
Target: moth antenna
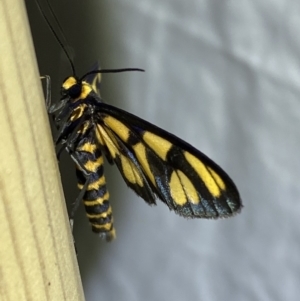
(55, 34)
(111, 71)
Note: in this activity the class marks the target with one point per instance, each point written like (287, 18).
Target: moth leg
(78, 163)
(59, 151)
(70, 151)
(74, 208)
(48, 90)
(68, 144)
(79, 198)
(72, 137)
(74, 243)
(76, 203)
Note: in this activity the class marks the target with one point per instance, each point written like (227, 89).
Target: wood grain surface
(37, 259)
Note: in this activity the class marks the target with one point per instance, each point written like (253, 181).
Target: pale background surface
(224, 76)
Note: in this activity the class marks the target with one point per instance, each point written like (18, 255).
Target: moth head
(71, 88)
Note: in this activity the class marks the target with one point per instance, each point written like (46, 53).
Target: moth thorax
(85, 127)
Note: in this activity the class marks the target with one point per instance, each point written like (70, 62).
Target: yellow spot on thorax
(78, 112)
(85, 91)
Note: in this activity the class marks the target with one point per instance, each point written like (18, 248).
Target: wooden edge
(37, 259)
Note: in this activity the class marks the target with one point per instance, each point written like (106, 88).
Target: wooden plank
(37, 259)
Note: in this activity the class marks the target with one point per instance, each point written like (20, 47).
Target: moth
(154, 163)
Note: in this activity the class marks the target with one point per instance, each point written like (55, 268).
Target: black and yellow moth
(153, 163)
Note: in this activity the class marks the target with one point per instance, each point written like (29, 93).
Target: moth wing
(94, 79)
(157, 164)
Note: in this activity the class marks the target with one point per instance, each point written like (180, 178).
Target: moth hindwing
(153, 163)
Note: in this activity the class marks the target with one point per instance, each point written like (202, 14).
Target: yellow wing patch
(118, 127)
(140, 152)
(189, 188)
(159, 145)
(217, 178)
(182, 190)
(204, 174)
(176, 190)
(130, 171)
(105, 139)
(95, 83)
